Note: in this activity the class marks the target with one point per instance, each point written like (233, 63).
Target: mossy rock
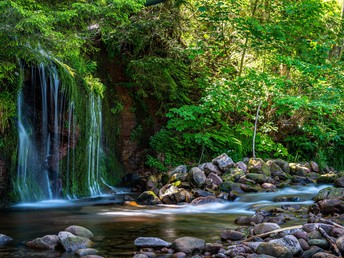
(148, 198)
(330, 193)
(231, 186)
(258, 166)
(258, 178)
(298, 169)
(328, 178)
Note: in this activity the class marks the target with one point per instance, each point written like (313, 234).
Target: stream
(116, 227)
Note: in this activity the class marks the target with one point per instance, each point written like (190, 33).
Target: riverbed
(116, 226)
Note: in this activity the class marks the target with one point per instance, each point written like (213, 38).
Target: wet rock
(330, 193)
(80, 231)
(211, 168)
(298, 169)
(169, 194)
(314, 166)
(148, 198)
(269, 186)
(324, 255)
(287, 199)
(235, 250)
(140, 256)
(309, 227)
(248, 188)
(202, 193)
(204, 200)
(300, 234)
(223, 162)
(258, 166)
(327, 178)
(309, 253)
(319, 242)
(72, 243)
(215, 178)
(274, 168)
(243, 220)
(188, 245)
(337, 232)
(153, 242)
(213, 248)
(179, 255)
(340, 243)
(4, 238)
(304, 244)
(258, 178)
(301, 180)
(330, 206)
(233, 235)
(265, 227)
(339, 182)
(284, 165)
(196, 177)
(241, 165)
(185, 196)
(274, 249)
(45, 243)
(231, 186)
(86, 251)
(182, 169)
(92, 256)
(290, 242)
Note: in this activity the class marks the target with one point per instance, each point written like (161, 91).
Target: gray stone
(265, 227)
(86, 251)
(72, 243)
(140, 256)
(241, 165)
(274, 168)
(337, 232)
(80, 231)
(257, 178)
(324, 255)
(179, 255)
(298, 169)
(45, 243)
(304, 244)
(211, 168)
(340, 243)
(284, 165)
(204, 200)
(196, 177)
(339, 182)
(290, 242)
(330, 206)
(188, 245)
(182, 169)
(309, 253)
(151, 242)
(309, 227)
(231, 235)
(215, 178)
(274, 249)
(224, 162)
(314, 166)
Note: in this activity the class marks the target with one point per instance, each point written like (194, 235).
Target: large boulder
(45, 243)
(188, 245)
(339, 182)
(153, 242)
(298, 169)
(258, 166)
(257, 178)
(80, 231)
(72, 243)
(340, 243)
(330, 206)
(196, 177)
(215, 179)
(330, 193)
(211, 168)
(224, 162)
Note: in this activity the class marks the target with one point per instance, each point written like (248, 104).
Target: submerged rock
(72, 243)
(150, 242)
(188, 245)
(45, 243)
(80, 231)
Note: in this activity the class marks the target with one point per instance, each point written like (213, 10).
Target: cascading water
(47, 127)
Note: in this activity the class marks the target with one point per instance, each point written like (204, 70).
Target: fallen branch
(272, 232)
(331, 242)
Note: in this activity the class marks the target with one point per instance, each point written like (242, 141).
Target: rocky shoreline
(260, 235)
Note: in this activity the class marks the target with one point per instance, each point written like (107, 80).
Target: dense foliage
(284, 54)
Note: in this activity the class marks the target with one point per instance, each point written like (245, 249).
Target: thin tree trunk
(255, 132)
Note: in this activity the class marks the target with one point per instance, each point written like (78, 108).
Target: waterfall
(94, 150)
(48, 133)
